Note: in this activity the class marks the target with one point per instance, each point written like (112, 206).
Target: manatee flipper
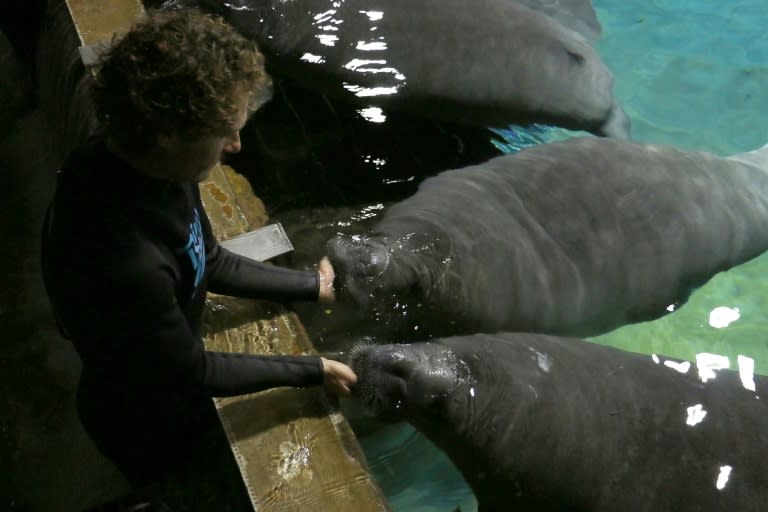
(617, 126)
(756, 158)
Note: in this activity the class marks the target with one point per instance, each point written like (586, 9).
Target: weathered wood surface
(98, 20)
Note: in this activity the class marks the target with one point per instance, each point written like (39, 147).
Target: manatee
(497, 63)
(571, 238)
(550, 424)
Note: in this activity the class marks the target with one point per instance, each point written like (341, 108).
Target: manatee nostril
(391, 396)
(383, 372)
(402, 369)
(397, 363)
(358, 358)
(357, 265)
(377, 259)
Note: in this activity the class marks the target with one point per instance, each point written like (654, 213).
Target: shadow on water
(302, 150)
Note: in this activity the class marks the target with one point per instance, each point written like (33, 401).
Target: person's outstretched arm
(239, 276)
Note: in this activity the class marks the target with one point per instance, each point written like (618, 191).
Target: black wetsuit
(127, 261)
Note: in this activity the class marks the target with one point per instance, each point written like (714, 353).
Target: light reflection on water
(691, 74)
(723, 476)
(327, 22)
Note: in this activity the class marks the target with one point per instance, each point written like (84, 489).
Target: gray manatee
(573, 238)
(483, 63)
(544, 424)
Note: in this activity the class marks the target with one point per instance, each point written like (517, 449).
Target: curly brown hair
(176, 72)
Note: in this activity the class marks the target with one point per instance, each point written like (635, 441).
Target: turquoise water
(693, 74)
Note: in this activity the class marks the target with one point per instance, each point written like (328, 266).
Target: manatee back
(552, 74)
(757, 158)
(580, 236)
(577, 15)
(565, 421)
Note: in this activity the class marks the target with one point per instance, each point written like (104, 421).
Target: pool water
(693, 74)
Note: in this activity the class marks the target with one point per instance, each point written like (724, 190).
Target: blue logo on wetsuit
(195, 248)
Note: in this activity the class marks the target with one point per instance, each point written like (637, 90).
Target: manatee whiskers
(393, 378)
(369, 266)
(358, 263)
(384, 398)
(361, 346)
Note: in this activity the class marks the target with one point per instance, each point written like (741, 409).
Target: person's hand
(327, 275)
(338, 378)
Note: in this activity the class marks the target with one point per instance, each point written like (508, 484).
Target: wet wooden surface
(97, 20)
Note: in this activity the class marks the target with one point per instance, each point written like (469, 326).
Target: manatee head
(370, 268)
(414, 382)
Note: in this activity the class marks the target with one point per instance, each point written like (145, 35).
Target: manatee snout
(383, 372)
(407, 380)
(359, 262)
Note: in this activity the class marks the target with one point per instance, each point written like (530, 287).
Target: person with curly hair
(128, 252)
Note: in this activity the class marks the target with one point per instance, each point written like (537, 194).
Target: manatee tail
(617, 126)
(757, 158)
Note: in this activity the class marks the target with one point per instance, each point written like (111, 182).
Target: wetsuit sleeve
(236, 275)
(148, 335)
(223, 372)
(232, 274)
(163, 326)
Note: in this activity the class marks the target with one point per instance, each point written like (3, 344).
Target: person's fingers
(344, 389)
(339, 378)
(337, 387)
(350, 378)
(327, 276)
(341, 371)
(325, 263)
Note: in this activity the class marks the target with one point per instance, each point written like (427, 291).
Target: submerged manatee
(577, 15)
(575, 237)
(496, 63)
(540, 423)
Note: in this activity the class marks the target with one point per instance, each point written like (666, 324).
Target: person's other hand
(338, 378)
(327, 275)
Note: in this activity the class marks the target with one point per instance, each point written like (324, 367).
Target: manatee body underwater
(498, 63)
(541, 423)
(577, 15)
(571, 238)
